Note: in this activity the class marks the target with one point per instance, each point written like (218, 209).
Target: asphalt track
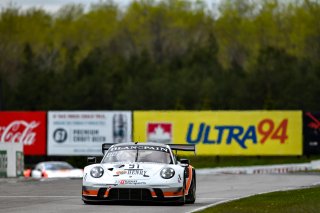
(63, 195)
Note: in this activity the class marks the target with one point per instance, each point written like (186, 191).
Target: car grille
(130, 194)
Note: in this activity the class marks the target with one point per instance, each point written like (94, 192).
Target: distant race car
(140, 172)
(56, 169)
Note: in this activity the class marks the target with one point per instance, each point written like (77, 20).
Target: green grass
(227, 161)
(302, 200)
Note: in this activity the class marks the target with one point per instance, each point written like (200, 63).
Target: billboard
(311, 132)
(84, 132)
(28, 128)
(224, 132)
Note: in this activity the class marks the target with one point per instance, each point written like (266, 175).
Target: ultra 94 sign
(227, 132)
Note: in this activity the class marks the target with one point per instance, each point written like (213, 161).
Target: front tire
(182, 201)
(86, 202)
(191, 197)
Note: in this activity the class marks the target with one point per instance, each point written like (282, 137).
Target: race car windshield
(58, 166)
(138, 155)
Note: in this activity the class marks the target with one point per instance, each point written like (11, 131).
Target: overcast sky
(54, 5)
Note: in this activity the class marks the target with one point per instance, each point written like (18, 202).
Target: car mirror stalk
(184, 162)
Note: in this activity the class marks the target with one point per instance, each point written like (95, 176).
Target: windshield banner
(224, 132)
(84, 132)
(139, 147)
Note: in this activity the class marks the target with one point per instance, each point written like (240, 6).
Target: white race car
(140, 172)
(55, 169)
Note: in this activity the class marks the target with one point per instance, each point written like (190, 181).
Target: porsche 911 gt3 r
(55, 169)
(140, 172)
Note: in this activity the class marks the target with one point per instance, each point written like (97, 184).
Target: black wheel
(87, 202)
(191, 197)
(182, 201)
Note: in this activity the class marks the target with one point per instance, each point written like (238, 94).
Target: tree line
(162, 55)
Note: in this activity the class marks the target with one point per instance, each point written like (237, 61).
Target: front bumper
(132, 194)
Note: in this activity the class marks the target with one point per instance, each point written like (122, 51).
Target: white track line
(210, 198)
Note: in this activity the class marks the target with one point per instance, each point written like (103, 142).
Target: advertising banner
(84, 132)
(224, 132)
(28, 128)
(311, 132)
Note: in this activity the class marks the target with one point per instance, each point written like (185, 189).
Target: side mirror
(91, 160)
(184, 162)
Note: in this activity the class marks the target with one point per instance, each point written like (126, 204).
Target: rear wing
(183, 147)
(106, 147)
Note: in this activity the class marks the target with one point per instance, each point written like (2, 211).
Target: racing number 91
(132, 166)
(268, 129)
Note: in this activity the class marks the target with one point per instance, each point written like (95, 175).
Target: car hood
(132, 170)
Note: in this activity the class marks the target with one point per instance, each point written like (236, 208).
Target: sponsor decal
(131, 182)
(121, 172)
(159, 132)
(135, 172)
(179, 179)
(139, 147)
(112, 154)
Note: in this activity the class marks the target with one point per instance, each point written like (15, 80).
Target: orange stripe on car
(106, 194)
(90, 192)
(153, 194)
(189, 180)
(173, 194)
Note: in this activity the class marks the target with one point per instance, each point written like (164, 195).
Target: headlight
(96, 172)
(167, 173)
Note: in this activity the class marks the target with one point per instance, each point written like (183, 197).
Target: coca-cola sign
(28, 128)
